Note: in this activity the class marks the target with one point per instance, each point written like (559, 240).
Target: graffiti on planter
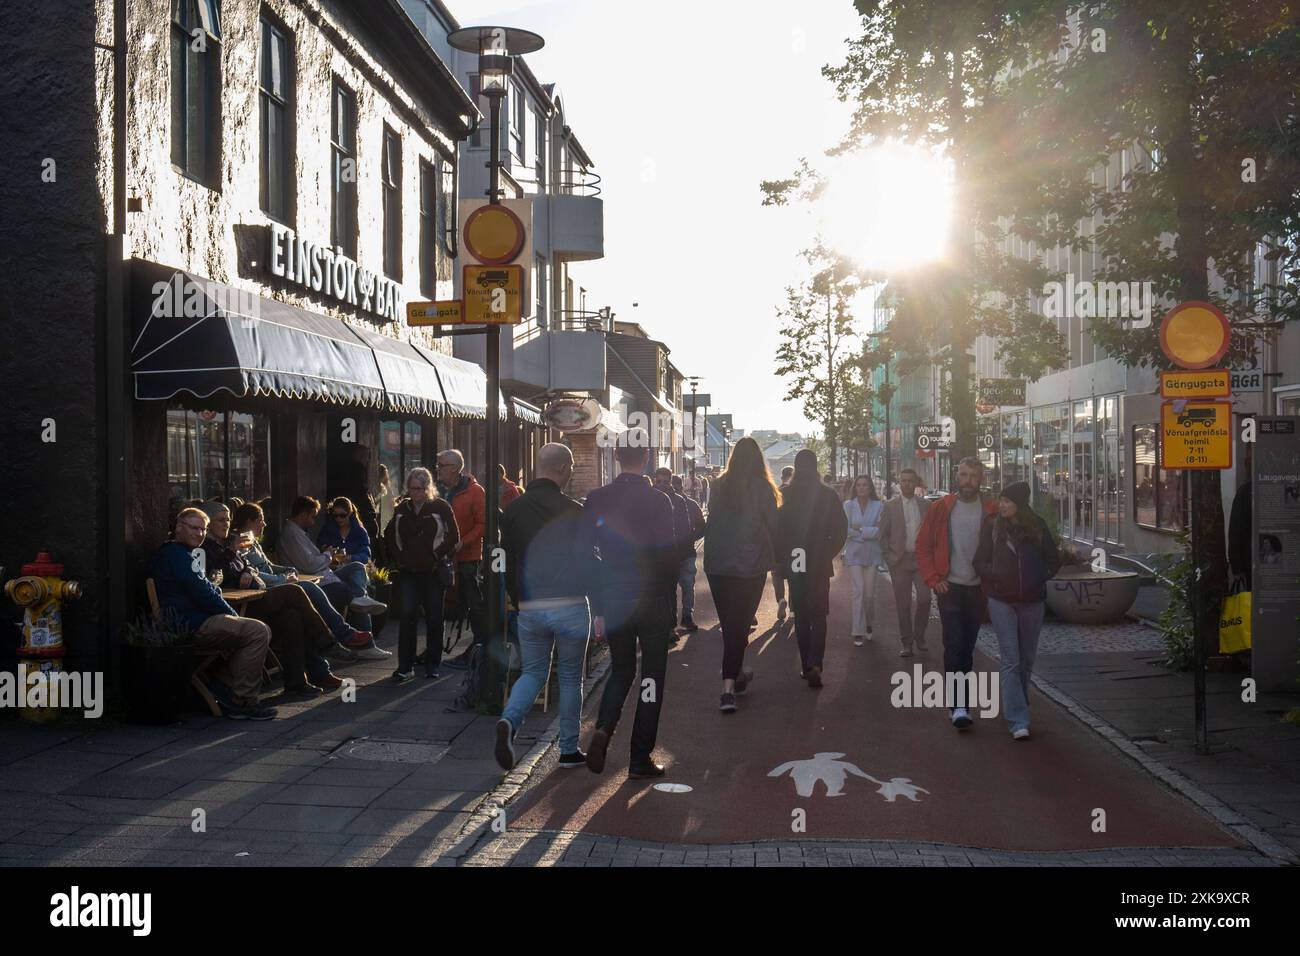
(1086, 593)
(833, 773)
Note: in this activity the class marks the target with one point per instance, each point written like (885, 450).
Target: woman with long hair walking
(862, 553)
(738, 555)
(1016, 556)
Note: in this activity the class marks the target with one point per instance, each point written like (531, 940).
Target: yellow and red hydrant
(40, 592)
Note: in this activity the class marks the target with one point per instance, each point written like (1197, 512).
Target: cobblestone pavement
(540, 848)
(1058, 637)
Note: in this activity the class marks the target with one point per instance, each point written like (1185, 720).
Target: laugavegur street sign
(1196, 435)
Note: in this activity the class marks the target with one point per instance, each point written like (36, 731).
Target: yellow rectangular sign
(448, 312)
(1196, 435)
(493, 295)
(1209, 383)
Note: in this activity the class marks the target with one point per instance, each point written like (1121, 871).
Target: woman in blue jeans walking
(1016, 557)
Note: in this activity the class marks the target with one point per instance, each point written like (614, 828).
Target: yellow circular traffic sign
(494, 235)
(1195, 335)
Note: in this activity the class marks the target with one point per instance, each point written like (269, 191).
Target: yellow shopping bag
(1234, 623)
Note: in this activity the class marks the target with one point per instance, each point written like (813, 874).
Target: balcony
(564, 359)
(578, 219)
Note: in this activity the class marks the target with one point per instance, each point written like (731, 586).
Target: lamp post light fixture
(496, 48)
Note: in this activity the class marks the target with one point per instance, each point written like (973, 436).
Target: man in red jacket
(945, 556)
(468, 501)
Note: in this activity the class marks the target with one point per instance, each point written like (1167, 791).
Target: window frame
(392, 201)
(343, 194)
(185, 62)
(286, 105)
(1183, 483)
(430, 224)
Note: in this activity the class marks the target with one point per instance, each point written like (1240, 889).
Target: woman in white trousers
(862, 554)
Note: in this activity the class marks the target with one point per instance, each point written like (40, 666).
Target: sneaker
(904, 652)
(372, 652)
(961, 718)
(781, 608)
(505, 748)
(328, 682)
(645, 771)
(249, 712)
(1021, 734)
(688, 624)
(368, 605)
(868, 633)
(572, 761)
(358, 639)
(431, 675)
(304, 691)
(403, 677)
(858, 640)
(339, 654)
(743, 681)
(728, 704)
(814, 677)
(596, 750)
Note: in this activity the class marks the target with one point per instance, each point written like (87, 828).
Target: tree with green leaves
(817, 345)
(1204, 95)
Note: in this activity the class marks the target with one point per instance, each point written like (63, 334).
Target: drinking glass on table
(218, 576)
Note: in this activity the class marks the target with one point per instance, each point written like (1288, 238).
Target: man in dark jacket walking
(629, 525)
(686, 577)
(811, 530)
(685, 532)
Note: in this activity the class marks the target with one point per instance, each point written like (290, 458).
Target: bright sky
(685, 107)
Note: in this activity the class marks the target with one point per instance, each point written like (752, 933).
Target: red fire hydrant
(40, 592)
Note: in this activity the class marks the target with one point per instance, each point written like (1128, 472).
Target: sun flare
(888, 207)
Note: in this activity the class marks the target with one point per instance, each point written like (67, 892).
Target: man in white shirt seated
(345, 585)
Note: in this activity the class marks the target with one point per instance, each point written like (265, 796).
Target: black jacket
(628, 525)
(538, 531)
(1016, 575)
(812, 518)
(417, 542)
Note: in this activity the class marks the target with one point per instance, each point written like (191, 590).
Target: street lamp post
(496, 48)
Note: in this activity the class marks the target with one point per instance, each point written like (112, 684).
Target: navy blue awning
(410, 381)
(195, 335)
(464, 385)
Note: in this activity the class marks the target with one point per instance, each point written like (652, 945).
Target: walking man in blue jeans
(945, 557)
(549, 586)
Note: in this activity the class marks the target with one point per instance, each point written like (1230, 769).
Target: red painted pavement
(984, 789)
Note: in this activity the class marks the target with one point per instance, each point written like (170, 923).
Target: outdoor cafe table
(239, 598)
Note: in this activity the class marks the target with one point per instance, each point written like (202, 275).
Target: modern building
(548, 179)
(242, 197)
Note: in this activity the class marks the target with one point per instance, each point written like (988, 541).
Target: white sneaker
(1021, 734)
(858, 640)
(961, 718)
(868, 633)
(368, 605)
(780, 610)
(372, 652)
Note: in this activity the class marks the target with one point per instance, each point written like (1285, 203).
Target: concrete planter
(1080, 595)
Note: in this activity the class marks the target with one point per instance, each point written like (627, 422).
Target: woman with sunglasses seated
(344, 531)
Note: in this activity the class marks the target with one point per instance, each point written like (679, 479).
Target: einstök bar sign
(329, 272)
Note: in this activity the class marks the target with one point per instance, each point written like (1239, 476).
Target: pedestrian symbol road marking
(833, 773)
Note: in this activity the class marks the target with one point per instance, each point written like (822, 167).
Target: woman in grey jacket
(738, 555)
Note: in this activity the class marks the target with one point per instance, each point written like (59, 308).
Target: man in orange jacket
(468, 502)
(945, 555)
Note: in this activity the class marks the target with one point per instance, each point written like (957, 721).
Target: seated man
(345, 585)
(183, 588)
(298, 633)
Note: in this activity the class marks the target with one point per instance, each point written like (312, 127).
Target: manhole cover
(673, 787)
(392, 751)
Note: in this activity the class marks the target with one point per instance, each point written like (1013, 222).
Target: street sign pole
(490, 674)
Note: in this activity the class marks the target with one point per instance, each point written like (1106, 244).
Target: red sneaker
(359, 639)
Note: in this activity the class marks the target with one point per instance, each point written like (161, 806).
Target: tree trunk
(961, 400)
(832, 430)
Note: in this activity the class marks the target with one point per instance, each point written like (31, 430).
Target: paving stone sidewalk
(391, 779)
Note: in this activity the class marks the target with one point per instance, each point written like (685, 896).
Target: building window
(276, 80)
(541, 292)
(479, 138)
(540, 146)
(400, 444)
(392, 177)
(217, 454)
(430, 226)
(1159, 495)
(196, 90)
(518, 114)
(343, 141)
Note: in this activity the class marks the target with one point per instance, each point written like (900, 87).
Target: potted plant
(157, 661)
(1081, 593)
(381, 589)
